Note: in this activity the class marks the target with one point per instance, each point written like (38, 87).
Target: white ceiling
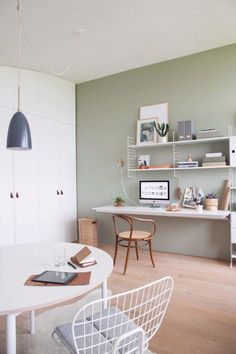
(119, 34)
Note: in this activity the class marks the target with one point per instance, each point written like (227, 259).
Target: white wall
(40, 213)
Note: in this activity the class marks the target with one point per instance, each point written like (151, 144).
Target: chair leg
(116, 248)
(136, 249)
(150, 250)
(127, 257)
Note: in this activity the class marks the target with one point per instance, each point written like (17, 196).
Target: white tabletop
(182, 213)
(18, 262)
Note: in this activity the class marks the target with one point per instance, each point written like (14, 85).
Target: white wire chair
(122, 323)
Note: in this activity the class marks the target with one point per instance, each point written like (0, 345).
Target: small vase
(199, 207)
(162, 139)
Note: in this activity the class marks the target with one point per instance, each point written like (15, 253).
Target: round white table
(18, 262)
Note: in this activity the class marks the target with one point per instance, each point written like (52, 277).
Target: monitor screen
(151, 192)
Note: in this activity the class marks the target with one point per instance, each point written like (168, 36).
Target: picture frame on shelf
(159, 111)
(146, 132)
(143, 161)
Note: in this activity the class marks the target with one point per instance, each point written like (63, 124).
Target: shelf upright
(131, 157)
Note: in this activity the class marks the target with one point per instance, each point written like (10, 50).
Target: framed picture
(146, 133)
(159, 111)
(192, 197)
(144, 160)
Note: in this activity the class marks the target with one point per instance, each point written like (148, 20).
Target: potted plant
(162, 131)
(119, 201)
(211, 202)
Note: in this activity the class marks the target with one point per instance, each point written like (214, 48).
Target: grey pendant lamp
(19, 136)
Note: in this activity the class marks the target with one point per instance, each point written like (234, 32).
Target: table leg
(32, 322)
(104, 292)
(11, 334)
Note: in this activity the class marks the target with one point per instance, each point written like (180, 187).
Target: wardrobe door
(6, 181)
(49, 188)
(67, 173)
(26, 184)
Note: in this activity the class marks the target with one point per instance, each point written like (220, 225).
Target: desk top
(182, 213)
(18, 262)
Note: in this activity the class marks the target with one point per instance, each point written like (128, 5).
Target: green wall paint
(201, 87)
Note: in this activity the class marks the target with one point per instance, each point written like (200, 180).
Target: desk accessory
(186, 130)
(71, 264)
(173, 207)
(80, 258)
(82, 278)
(54, 277)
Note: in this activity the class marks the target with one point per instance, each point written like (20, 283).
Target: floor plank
(201, 318)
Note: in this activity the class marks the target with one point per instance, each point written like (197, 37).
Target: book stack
(214, 159)
(187, 164)
(209, 133)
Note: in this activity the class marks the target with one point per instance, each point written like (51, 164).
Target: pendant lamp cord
(43, 63)
(19, 52)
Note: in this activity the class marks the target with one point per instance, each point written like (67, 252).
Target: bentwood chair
(120, 324)
(133, 237)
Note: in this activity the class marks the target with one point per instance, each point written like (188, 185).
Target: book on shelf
(215, 164)
(187, 164)
(213, 154)
(207, 130)
(214, 159)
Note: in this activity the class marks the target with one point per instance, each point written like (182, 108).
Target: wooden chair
(121, 324)
(132, 237)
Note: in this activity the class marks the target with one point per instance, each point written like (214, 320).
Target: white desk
(18, 262)
(183, 213)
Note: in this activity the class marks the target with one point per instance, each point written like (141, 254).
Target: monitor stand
(155, 204)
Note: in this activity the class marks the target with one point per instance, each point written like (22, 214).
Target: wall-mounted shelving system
(132, 157)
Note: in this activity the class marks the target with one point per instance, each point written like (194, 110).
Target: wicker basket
(88, 231)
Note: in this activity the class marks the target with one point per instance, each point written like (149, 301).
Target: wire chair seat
(120, 324)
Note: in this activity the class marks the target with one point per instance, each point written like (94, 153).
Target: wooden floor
(201, 318)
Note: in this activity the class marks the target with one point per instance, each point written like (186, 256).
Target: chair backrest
(131, 220)
(109, 321)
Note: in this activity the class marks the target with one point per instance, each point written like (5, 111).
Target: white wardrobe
(38, 187)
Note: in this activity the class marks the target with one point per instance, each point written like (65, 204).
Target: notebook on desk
(83, 258)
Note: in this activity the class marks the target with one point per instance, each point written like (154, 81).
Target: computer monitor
(156, 193)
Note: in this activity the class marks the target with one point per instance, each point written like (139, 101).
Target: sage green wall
(200, 87)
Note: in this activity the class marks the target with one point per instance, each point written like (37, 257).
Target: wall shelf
(179, 169)
(179, 143)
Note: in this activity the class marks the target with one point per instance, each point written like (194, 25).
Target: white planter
(162, 139)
